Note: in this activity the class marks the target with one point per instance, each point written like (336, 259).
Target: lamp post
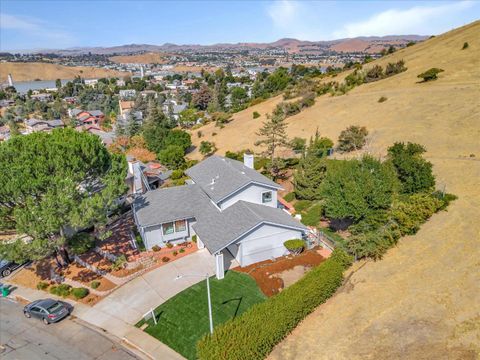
(208, 296)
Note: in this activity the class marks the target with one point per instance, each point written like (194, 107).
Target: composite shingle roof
(217, 229)
(220, 177)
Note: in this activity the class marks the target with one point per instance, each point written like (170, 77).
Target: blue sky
(62, 24)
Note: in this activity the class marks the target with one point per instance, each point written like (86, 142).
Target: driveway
(22, 338)
(132, 300)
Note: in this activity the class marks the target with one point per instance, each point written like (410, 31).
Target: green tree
(352, 138)
(273, 136)
(308, 177)
(413, 171)
(52, 182)
(58, 83)
(172, 157)
(179, 138)
(357, 189)
(319, 146)
(239, 98)
(188, 117)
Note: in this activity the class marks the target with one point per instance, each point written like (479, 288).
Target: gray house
(229, 206)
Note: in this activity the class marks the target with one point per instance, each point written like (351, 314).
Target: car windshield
(54, 307)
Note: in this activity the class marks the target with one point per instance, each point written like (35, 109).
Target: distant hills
(369, 44)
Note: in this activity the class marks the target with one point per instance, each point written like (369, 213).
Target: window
(168, 228)
(180, 225)
(266, 197)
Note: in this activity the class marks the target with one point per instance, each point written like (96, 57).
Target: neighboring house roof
(96, 113)
(217, 229)
(220, 177)
(48, 123)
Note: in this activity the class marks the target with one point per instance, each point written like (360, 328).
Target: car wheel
(46, 322)
(6, 272)
(27, 314)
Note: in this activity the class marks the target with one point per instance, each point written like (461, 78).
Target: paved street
(30, 339)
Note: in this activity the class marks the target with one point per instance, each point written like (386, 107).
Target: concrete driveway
(138, 296)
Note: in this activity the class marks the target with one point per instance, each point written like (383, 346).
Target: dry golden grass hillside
(45, 71)
(148, 58)
(422, 301)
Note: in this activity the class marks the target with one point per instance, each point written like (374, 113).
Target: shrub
(80, 293)
(42, 285)
(430, 74)
(156, 248)
(175, 253)
(395, 68)
(199, 133)
(382, 99)
(256, 114)
(182, 250)
(194, 238)
(80, 243)
(62, 290)
(446, 199)
(295, 246)
(169, 245)
(176, 174)
(352, 138)
(95, 284)
(302, 205)
(298, 144)
(165, 259)
(374, 74)
(207, 147)
(172, 157)
(465, 45)
(214, 134)
(312, 216)
(119, 262)
(290, 196)
(253, 334)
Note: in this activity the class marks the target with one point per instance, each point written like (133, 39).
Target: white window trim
(271, 196)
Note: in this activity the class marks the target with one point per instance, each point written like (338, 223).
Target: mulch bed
(264, 272)
(85, 276)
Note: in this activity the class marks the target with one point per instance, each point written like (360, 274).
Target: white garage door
(264, 244)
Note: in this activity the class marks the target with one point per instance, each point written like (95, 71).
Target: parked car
(6, 267)
(49, 310)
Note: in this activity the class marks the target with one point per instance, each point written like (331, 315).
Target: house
(106, 137)
(125, 106)
(91, 82)
(84, 117)
(70, 100)
(173, 109)
(231, 208)
(36, 125)
(145, 177)
(43, 97)
(127, 94)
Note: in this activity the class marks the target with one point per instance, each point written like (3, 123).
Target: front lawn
(183, 319)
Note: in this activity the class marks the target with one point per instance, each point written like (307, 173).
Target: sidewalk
(142, 344)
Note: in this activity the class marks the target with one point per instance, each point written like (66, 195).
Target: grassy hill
(147, 58)
(45, 71)
(420, 301)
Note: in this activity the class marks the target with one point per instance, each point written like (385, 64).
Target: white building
(227, 205)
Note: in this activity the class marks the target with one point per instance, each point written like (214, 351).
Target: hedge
(254, 334)
(80, 293)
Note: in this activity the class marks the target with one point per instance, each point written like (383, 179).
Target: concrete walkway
(132, 300)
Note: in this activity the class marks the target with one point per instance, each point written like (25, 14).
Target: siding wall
(153, 235)
(251, 193)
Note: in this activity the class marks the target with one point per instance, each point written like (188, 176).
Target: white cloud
(37, 30)
(283, 13)
(423, 20)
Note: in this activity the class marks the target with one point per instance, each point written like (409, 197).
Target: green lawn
(183, 319)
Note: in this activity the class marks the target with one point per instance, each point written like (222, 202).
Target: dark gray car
(49, 310)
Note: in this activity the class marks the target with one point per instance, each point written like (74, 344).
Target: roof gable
(220, 177)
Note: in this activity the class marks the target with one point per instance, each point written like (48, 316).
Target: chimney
(135, 171)
(248, 160)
